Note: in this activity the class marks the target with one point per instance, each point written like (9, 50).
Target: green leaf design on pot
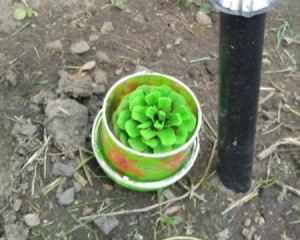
(153, 119)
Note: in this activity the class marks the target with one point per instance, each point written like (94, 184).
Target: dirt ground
(50, 187)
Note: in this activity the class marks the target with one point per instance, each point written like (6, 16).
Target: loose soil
(48, 197)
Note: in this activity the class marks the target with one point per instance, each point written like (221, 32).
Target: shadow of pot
(133, 169)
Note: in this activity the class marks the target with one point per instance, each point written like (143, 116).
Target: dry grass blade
(291, 189)
(36, 154)
(209, 126)
(138, 210)
(85, 168)
(245, 199)
(80, 179)
(213, 151)
(267, 152)
(182, 238)
(51, 186)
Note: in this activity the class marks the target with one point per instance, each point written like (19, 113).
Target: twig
(182, 238)
(209, 126)
(271, 94)
(272, 130)
(292, 110)
(291, 189)
(273, 147)
(208, 165)
(20, 29)
(36, 154)
(200, 59)
(245, 199)
(138, 210)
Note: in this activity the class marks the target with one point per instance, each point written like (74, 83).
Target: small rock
(32, 219)
(87, 211)
(27, 130)
(56, 45)
(103, 57)
(61, 169)
(139, 18)
(169, 46)
(203, 19)
(106, 224)
(100, 76)
(247, 222)
(223, 235)
(259, 220)
(140, 68)
(80, 47)
(245, 232)
(77, 87)
(212, 66)
(159, 53)
(11, 77)
(107, 187)
(119, 71)
(17, 204)
(94, 38)
(43, 97)
(107, 27)
(15, 232)
(77, 186)
(66, 197)
(178, 41)
(168, 194)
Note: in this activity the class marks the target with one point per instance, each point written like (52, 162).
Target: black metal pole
(241, 46)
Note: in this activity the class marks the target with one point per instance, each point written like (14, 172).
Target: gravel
(80, 47)
(67, 122)
(203, 19)
(11, 77)
(103, 57)
(55, 45)
(17, 204)
(100, 76)
(106, 224)
(16, 232)
(32, 220)
(61, 169)
(107, 27)
(168, 194)
(223, 235)
(66, 197)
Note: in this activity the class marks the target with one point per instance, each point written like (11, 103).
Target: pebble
(159, 53)
(168, 194)
(61, 169)
(106, 224)
(15, 232)
(80, 47)
(100, 76)
(55, 45)
(17, 204)
(247, 222)
(107, 27)
(178, 41)
(119, 71)
(32, 219)
(94, 38)
(197, 2)
(140, 68)
(212, 66)
(259, 220)
(87, 211)
(103, 57)
(11, 77)
(248, 233)
(139, 18)
(223, 235)
(169, 46)
(66, 197)
(203, 19)
(77, 186)
(107, 187)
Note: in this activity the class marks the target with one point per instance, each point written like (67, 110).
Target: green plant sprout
(153, 119)
(22, 13)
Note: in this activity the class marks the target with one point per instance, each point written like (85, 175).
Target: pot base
(135, 185)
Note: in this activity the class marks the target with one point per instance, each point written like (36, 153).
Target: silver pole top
(246, 8)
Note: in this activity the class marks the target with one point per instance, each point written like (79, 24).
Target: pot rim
(153, 155)
(125, 181)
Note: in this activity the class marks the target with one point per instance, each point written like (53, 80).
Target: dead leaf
(86, 67)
